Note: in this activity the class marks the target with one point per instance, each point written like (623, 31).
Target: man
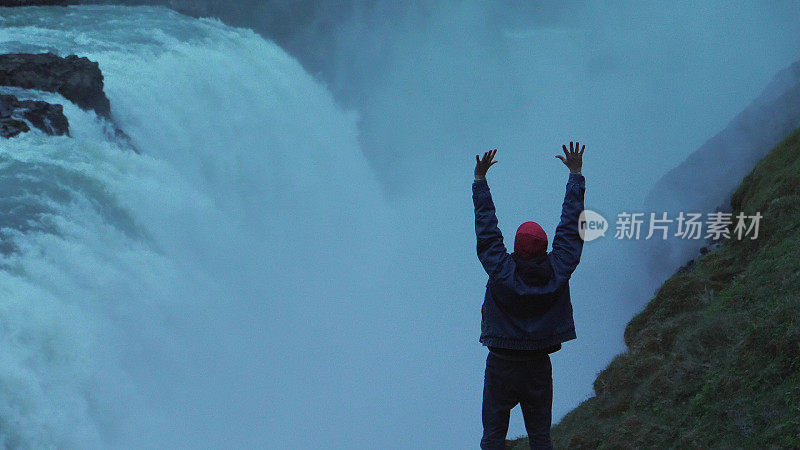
(526, 312)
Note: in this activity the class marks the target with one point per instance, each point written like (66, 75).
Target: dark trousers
(507, 383)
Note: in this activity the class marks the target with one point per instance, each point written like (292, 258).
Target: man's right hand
(482, 165)
(574, 157)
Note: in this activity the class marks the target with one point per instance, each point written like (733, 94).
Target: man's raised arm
(567, 242)
(491, 250)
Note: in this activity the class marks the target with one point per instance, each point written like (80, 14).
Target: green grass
(713, 361)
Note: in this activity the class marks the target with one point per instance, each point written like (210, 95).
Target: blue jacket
(527, 303)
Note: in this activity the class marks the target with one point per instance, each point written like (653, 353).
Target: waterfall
(177, 297)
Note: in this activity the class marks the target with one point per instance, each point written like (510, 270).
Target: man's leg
(537, 402)
(498, 401)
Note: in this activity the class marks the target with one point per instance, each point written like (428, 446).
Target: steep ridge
(705, 181)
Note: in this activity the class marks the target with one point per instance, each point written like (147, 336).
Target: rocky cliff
(77, 79)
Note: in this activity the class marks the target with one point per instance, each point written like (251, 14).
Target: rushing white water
(208, 292)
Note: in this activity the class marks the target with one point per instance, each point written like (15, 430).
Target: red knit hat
(531, 240)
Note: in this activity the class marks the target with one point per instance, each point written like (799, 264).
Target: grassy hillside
(713, 361)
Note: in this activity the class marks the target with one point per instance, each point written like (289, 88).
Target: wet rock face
(10, 127)
(45, 116)
(76, 78)
(33, 2)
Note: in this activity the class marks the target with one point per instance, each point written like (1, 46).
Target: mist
(362, 289)
(641, 84)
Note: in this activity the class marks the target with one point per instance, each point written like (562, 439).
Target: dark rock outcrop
(42, 115)
(76, 78)
(10, 127)
(33, 2)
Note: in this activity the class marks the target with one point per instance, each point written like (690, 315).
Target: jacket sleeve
(567, 242)
(491, 250)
